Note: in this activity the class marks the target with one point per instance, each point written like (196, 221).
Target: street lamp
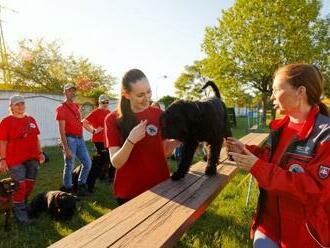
(163, 76)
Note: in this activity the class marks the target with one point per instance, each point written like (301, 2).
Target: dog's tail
(213, 86)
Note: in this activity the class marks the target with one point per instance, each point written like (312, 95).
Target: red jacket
(294, 201)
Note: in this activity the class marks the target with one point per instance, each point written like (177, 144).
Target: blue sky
(158, 37)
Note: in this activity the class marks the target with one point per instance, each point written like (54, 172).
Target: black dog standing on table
(8, 187)
(192, 122)
(60, 205)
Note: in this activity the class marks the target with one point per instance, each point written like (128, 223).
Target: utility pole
(3, 49)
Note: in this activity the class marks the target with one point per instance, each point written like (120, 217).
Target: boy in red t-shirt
(94, 123)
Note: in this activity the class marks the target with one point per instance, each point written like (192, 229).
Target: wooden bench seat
(159, 216)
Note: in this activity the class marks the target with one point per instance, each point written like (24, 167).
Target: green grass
(225, 223)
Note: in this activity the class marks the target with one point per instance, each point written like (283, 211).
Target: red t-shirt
(22, 137)
(96, 119)
(146, 165)
(69, 112)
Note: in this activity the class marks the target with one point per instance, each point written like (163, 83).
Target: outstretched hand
(244, 161)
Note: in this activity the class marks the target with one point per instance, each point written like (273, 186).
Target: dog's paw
(211, 170)
(177, 176)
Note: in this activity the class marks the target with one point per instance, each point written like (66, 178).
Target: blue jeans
(78, 149)
(262, 241)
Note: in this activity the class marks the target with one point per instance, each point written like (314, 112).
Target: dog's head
(8, 186)
(179, 119)
(66, 205)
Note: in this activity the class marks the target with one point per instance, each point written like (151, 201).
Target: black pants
(104, 153)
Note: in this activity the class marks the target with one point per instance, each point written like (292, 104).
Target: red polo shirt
(69, 112)
(22, 137)
(146, 165)
(96, 119)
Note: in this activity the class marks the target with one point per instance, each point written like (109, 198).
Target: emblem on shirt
(324, 172)
(152, 130)
(296, 168)
(32, 125)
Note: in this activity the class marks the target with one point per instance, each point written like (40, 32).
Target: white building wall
(41, 107)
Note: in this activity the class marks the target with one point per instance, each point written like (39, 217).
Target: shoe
(82, 190)
(67, 190)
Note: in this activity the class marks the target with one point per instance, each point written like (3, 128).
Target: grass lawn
(225, 223)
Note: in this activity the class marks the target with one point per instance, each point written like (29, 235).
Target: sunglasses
(105, 102)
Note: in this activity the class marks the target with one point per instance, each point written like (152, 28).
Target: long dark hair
(126, 118)
(308, 76)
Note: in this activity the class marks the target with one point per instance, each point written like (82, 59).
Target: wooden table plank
(165, 227)
(110, 228)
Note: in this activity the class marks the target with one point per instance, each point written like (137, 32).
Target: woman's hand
(234, 145)
(68, 153)
(244, 161)
(42, 158)
(3, 166)
(138, 132)
(98, 130)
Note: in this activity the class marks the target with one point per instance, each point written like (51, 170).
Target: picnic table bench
(159, 216)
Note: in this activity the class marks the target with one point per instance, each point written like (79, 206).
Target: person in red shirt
(71, 134)
(293, 167)
(94, 123)
(133, 137)
(20, 153)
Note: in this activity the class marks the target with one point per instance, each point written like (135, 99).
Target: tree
(189, 86)
(41, 66)
(254, 37)
(167, 100)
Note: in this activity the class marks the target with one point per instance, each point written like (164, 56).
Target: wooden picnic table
(159, 216)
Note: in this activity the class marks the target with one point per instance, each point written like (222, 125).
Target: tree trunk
(264, 110)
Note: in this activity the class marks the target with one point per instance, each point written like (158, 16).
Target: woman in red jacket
(133, 137)
(293, 167)
(20, 153)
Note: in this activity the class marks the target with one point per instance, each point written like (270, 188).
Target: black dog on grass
(195, 121)
(60, 205)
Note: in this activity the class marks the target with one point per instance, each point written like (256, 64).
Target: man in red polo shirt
(71, 134)
(94, 123)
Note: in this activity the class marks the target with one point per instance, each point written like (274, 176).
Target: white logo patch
(303, 149)
(32, 125)
(152, 130)
(324, 172)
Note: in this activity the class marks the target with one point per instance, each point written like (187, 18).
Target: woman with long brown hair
(133, 137)
(293, 168)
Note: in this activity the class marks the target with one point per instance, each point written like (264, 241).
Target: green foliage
(190, 82)
(254, 37)
(42, 66)
(167, 100)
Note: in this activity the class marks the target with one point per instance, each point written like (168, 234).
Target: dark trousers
(104, 154)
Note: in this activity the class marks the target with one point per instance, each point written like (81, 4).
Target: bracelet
(2, 159)
(130, 141)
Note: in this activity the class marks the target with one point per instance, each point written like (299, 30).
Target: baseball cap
(16, 99)
(69, 86)
(103, 98)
